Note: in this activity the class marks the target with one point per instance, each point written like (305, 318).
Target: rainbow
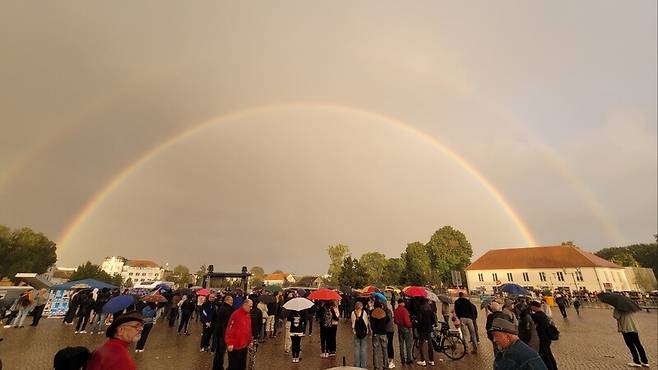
(97, 199)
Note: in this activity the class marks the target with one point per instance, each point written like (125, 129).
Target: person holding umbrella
(148, 312)
(296, 308)
(626, 325)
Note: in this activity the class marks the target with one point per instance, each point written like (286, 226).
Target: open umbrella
(273, 288)
(163, 287)
(266, 298)
(370, 289)
(202, 291)
(415, 291)
(298, 304)
(155, 298)
(379, 296)
(118, 303)
(620, 302)
(324, 295)
(432, 296)
(514, 289)
(301, 292)
(445, 299)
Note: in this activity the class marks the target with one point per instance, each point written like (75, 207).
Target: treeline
(420, 263)
(635, 255)
(24, 250)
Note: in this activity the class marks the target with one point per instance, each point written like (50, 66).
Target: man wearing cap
(238, 336)
(113, 354)
(513, 354)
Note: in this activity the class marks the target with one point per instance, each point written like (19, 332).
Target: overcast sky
(553, 102)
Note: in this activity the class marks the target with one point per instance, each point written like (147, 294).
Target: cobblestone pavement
(587, 342)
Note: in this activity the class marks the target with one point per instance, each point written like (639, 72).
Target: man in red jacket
(403, 321)
(114, 355)
(238, 336)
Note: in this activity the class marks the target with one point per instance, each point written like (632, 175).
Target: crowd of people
(233, 323)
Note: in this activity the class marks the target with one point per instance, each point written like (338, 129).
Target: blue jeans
(379, 353)
(99, 322)
(361, 352)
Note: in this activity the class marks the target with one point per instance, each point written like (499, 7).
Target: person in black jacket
(256, 319)
(426, 320)
(207, 313)
(466, 314)
(543, 324)
(99, 317)
(221, 322)
(84, 310)
(187, 307)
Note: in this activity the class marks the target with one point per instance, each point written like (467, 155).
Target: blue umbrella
(118, 303)
(514, 289)
(379, 296)
(163, 287)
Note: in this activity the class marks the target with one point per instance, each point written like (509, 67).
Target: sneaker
(391, 364)
(83, 332)
(633, 364)
(431, 362)
(76, 332)
(421, 363)
(332, 354)
(7, 326)
(645, 365)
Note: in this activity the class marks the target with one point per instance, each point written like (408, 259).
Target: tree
(203, 270)
(625, 259)
(394, 270)
(23, 250)
(128, 283)
(645, 255)
(374, 264)
(352, 274)
(90, 271)
(181, 276)
(416, 264)
(257, 276)
(337, 254)
(448, 249)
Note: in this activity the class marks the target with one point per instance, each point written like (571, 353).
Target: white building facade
(136, 270)
(552, 267)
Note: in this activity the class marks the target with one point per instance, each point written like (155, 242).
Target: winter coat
(296, 324)
(528, 331)
(238, 332)
(463, 308)
(111, 356)
(401, 316)
(625, 321)
(426, 319)
(223, 315)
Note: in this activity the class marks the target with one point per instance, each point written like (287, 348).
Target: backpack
(360, 328)
(24, 301)
(326, 318)
(553, 332)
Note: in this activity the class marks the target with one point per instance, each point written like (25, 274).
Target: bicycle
(443, 341)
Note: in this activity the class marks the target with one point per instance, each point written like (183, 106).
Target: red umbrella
(324, 295)
(415, 291)
(202, 291)
(370, 289)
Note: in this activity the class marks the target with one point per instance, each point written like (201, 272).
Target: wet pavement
(587, 342)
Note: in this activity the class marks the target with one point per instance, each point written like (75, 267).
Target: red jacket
(238, 332)
(401, 317)
(112, 355)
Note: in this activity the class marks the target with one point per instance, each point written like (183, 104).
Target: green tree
(23, 250)
(375, 265)
(203, 270)
(625, 259)
(416, 264)
(128, 283)
(352, 274)
(393, 271)
(181, 276)
(257, 276)
(337, 254)
(90, 271)
(644, 255)
(448, 249)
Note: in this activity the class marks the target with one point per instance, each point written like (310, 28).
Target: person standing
(360, 329)
(390, 332)
(84, 311)
(333, 330)
(173, 310)
(98, 322)
(464, 313)
(272, 308)
(113, 354)
(74, 301)
(495, 313)
(544, 329)
(238, 336)
(403, 321)
(148, 312)
(627, 326)
(576, 306)
(324, 315)
(263, 324)
(445, 312)
(309, 316)
(221, 323)
(527, 328)
(186, 307)
(207, 314)
(378, 322)
(562, 304)
(296, 330)
(512, 353)
(39, 302)
(426, 321)
(256, 320)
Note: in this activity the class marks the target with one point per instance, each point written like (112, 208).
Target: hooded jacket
(238, 332)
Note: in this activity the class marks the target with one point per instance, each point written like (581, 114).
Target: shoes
(633, 364)
(421, 363)
(391, 364)
(139, 350)
(332, 354)
(431, 362)
(645, 365)
(7, 326)
(186, 333)
(83, 332)
(76, 332)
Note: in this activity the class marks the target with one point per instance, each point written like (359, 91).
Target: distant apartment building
(135, 270)
(550, 267)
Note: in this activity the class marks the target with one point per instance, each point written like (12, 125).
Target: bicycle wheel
(453, 347)
(415, 350)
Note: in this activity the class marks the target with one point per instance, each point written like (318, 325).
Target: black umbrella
(620, 302)
(266, 298)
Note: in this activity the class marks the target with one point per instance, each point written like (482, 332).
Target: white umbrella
(298, 304)
(431, 296)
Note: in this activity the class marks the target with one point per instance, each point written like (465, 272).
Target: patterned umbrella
(155, 298)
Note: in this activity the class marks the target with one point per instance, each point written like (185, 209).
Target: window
(130, 273)
(143, 274)
(509, 277)
(494, 276)
(480, 277)
(542, 276)
(560, 276)
(525, 277)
